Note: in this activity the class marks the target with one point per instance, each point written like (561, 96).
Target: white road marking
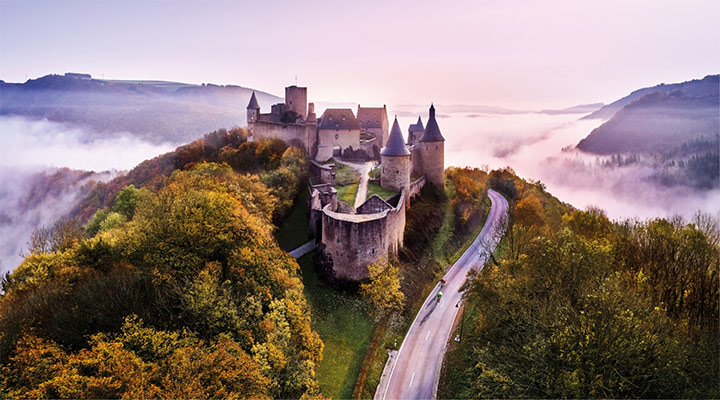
(426, 336)
(411, 380)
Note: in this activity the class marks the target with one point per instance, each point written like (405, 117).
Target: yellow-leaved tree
(383, 289)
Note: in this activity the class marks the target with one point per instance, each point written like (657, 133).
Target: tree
(225, 307)
(126, 201)
(495, 235)
(383, 290)
(64, 233)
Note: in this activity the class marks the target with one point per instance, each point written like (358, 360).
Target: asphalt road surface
(417, 369)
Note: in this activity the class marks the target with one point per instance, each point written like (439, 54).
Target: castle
(353, 238)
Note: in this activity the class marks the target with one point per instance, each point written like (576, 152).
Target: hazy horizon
(509, 54)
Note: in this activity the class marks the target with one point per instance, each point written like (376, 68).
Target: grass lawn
(344, 174)
(345, 327)
(375, 173)
(347, 193)
(293, 231)
(374, 188)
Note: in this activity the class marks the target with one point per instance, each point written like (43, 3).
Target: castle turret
(432, 152)
(395, 161)
(296, 100)
(253, 109)
(311, 112)
(415, 131)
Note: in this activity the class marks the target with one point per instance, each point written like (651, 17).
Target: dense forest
(175, 288)
(574, 305)
(265, 159)
(669, 134)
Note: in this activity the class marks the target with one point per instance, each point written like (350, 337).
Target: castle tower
(311, 112)
(415, 131)
(432, 152)
(395, 161)
(253, 110)
(296, 100)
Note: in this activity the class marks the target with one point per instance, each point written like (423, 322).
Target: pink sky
(504, 53)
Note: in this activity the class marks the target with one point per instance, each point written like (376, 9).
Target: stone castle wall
(329, 138)
(296, 100)
(379, 134)
(416, 186)
(320, 196)
(354, 241)
(292, 134)
(432, 158)
(395, 173)
(369, 146)
(416, 160)
(323, 173)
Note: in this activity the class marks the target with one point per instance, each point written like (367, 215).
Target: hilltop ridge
(694, 88)
(155, 111)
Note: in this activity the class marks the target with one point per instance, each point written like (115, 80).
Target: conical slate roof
(253, 105)
(395, 145)
(432, 130)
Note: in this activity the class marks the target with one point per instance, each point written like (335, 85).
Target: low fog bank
(45, 166)
(31, 197)
(51, 144)
(532, 144)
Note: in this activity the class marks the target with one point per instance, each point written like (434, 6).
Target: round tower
(395, 161)
(432, 152)
(253, 109)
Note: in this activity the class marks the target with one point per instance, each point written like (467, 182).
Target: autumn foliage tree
(383, 289)
(582, 307)
(184, 294)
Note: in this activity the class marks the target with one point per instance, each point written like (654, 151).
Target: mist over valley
(538, 144)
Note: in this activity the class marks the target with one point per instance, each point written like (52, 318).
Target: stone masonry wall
(329, 138)
(292, 134)
(433, 162)
(296, 100)
(395, 172)
(416, 185)
(354, 241)
(416, 160)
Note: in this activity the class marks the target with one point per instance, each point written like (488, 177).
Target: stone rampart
(323, 173)
(433, 162)
(292, 134)
(320, 196)
(395, 172)
(416, 186)
(354, 241)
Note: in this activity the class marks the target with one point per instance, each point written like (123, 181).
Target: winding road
(416, 371)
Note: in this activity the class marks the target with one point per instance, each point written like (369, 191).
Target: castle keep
(353, 238)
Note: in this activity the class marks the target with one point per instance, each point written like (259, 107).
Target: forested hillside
(265, 159)
(656, 123)
(670, 131)
(574, 305)
(176, 288)
(156, 112)
(694, 88)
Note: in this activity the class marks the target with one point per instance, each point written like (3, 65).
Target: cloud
(34, 192)
(50, 144)
(532, 144)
